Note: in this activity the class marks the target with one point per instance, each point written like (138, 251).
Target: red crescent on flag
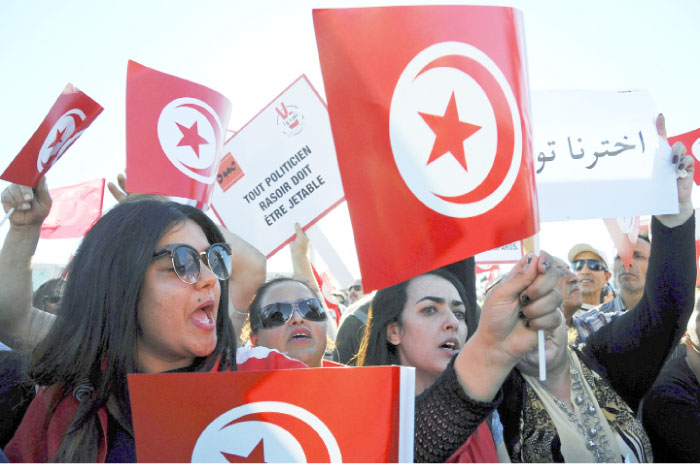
(505, 130)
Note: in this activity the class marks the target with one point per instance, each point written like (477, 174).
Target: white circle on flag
(695, 148)
(190, 134)
(226, 436)
(428, 83)
(59, 138)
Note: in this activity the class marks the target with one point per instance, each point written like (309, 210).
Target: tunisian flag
(691, 140)
(175, 130)
(429, 109)
(306, 415)
(74, 210)
(68, 118)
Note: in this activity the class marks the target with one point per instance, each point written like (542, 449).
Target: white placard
(597, 154)
(509, 253)
(279, 169)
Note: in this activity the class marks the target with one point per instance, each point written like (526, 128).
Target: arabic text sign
(597, 155)
(279, 169)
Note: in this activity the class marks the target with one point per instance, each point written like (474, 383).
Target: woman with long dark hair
(424, 322)
(146, 292)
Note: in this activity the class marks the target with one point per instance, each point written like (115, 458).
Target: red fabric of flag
(327, 291)
(691, 140)
(430, 111)
(624, 233)
(68, 118)
(175, 130)
(74, 210)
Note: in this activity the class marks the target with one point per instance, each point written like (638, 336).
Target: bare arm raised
(21, 325)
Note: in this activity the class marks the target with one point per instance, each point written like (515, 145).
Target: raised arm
(635, 345)
(450, 410)
(302, 271)
(21, 325)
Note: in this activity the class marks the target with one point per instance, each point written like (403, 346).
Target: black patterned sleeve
(446, 417)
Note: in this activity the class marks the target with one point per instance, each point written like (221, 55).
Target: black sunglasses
(279, 313)
(186, 258)
(593, 265)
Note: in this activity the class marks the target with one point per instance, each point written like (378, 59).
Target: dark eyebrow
(440, 300)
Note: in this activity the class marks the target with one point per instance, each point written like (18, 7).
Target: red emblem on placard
(229, 172)
(430, 114)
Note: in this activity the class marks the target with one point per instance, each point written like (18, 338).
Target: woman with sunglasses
(146, 293)
(288, 316)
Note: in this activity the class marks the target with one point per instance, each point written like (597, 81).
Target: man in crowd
(570, 289)
(355, 291)
(591, 265)
(631, 282)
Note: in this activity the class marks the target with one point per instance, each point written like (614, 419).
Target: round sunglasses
(593, 265)
(279, 313)
(186, 260)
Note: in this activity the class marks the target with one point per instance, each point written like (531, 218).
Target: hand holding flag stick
(523, 301)
(540, 332)
(27, 206)
(7, 215)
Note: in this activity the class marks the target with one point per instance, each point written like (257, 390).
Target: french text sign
(597, 155)
(279, 169)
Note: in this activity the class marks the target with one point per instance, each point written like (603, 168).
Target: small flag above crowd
(68, 118)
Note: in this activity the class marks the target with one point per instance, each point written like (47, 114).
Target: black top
(16, 393)
(671, 414)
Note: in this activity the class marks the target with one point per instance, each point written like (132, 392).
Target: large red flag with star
(430, 111)
(68, 118)
(306, 415)
(175, 130)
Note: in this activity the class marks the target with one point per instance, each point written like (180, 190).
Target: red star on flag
(256, 455)
(450, 133)
(59, 137)
(191, 137)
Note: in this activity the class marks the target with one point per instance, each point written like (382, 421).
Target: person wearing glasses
(355, 291)
(631, 281)
(287, 315)
(147, 292)
(591, 265)
(586, 409)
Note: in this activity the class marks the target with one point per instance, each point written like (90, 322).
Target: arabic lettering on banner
(279, 169)
(591, 147)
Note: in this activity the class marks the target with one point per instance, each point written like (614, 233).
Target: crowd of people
(158, 287)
